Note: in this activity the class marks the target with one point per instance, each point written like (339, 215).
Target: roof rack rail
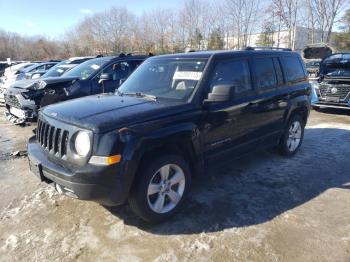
(267, 48)
(139, 53)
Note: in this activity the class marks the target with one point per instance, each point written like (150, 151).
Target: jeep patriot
(166, 122)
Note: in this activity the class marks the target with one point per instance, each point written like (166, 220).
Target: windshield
(57, 70)
(165, 78)
(86, 69)
(337, 65)
(29, 68)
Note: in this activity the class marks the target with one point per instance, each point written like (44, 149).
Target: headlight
(82, 143)
(40, 85)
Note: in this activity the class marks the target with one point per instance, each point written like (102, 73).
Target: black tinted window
(119, 70)
(265, 73)
(293, 68)
(235, 73)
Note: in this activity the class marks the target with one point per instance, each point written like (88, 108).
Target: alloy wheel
(166, 188)
(294, 136)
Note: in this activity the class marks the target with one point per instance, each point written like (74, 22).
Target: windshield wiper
(137, 94)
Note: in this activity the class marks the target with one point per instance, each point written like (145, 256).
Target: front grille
(53, 139)
(342, 90)
(12, 101)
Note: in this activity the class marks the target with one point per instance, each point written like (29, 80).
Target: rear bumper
(105, 185)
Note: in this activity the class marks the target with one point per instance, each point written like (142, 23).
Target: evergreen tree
(215, 40)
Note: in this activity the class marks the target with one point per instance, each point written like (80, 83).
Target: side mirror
(221, 93)
(104, 77)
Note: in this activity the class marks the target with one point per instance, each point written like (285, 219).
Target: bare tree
(324, 14)
(243, 17)
(287, 11)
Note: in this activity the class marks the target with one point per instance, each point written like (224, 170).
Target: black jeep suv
(165, 123)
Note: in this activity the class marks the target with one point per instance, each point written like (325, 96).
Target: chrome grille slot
(56, 140)
(53, 139)
(50, 137)
(64, 143)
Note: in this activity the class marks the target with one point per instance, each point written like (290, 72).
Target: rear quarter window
(293, 68)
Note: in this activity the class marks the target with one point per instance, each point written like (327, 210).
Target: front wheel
(160, 188)
(293, 136)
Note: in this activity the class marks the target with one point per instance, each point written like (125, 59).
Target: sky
(54, 17)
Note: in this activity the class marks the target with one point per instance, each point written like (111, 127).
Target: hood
(106, 112)
(317, 51)
(336, 66)
(59, 80)
(24, 84)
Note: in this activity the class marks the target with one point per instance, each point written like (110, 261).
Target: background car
(37, 70)
(9, 77)
(99, 75)
(333, 84)
(312, 55)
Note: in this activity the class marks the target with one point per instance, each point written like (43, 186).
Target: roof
(223, 53)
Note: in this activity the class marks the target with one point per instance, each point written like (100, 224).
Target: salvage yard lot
(262, 207)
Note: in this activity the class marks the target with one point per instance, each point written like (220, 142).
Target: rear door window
(232, 72)
(293, 69)
(265, 73)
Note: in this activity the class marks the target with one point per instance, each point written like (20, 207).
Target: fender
(297, 102)
(179, 133)
(136, 146)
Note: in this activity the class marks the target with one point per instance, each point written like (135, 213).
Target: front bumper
(326, 104)
(27, 106)
(2, 95)
(107, 185)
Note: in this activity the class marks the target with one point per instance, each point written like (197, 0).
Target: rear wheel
(293, 136)
(160, 188)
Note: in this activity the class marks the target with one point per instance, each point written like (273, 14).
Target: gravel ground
(262, 207)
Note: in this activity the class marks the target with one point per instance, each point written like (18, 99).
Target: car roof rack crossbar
(267, 48)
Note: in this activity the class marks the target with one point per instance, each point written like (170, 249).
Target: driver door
(229, 125)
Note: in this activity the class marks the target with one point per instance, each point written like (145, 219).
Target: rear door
(270, 103)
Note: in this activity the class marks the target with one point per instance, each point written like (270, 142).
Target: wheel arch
(181, 140)
(299, 106)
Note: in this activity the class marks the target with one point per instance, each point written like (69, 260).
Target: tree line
(195, 24)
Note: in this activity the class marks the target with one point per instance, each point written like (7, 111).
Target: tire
(163, 199)
(292, 137)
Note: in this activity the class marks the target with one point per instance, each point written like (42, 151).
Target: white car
(9, 78)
